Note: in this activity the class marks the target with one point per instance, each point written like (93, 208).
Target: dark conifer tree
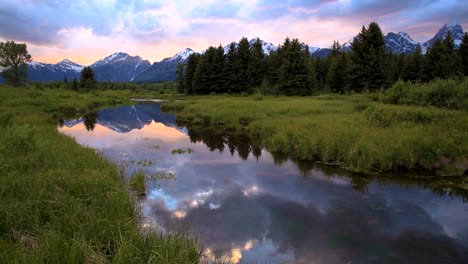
(295, 72)
(180, 78)
(230, 70)
(192, 63)
(87, 81)
(463, 54)
(431, 68)
(216, 71)
(256, 68)
(74, 85)
(322, 66)
(450, 62)
(242, 66)
(338, 76)
(397, 62)
(413, 64)
(335, 49)
(202, 78)
(368, 56)
(272, 65)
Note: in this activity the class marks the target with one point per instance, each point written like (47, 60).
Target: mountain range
(121, 67)
(123, 119)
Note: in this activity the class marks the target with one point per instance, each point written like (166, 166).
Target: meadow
(416, 128)
(64, 203)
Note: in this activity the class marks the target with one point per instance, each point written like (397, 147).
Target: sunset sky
(85, 31)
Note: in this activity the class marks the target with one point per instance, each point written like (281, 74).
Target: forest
(291, 70)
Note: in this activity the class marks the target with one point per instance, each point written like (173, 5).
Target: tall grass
(61, 202)
(354, 131)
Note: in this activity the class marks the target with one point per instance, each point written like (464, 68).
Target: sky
(85, 31)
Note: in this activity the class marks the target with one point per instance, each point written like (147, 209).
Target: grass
(137, 183)
(357, 132)
(64, 203)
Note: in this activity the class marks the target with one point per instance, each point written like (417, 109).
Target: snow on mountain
(118, 56)
(164, 70)
(119, 67)
(455, 29)
(70, 65)
(183, 55)
(400, 43)
(267, 47)
(38, 71)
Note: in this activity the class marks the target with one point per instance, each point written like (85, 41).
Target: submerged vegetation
(137, 183)
(182, 151)
(357, 132)
(61, 202)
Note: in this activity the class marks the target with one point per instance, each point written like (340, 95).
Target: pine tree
(242, 66)
(295, 72)
(322, 66)
(216, 71)
(449, 61)
(191, 67)
(397, 62)
(431, 68)
(463, 54)
(256, 68)
(65, 80)
(180, 78)
(412, 69)
(368, 57)
(338, 77)
(203, 78)
(309, 64)
(87, 81)
(270, 81)
(74, 85)
(230, 71)
(335, 49)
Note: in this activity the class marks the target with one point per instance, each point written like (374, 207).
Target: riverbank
(61, 202)
(356, 132)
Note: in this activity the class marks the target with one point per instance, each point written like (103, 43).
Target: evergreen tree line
(87, 82)
(291, 70)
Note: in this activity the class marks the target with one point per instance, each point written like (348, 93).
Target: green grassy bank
(61, 202)
(357, 132)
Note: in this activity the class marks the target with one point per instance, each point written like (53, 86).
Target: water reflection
(256, 207)
(90, 120)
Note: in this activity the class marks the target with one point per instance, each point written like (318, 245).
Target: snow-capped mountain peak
(267, 47)
(183, 55)
(117, 56)
(407, 37)
(455, 29)
(69, 65)
(400, 42)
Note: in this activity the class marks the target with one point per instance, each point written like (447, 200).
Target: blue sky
(85, 31)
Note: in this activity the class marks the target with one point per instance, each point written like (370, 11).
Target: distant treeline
(291, 70)
(85, 85)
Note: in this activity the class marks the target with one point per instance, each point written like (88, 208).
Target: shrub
(450, 94)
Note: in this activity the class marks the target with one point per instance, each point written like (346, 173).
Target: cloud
(158, 28)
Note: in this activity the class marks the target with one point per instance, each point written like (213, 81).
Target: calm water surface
(250, 206)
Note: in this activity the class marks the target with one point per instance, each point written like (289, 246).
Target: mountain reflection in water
(249, 205)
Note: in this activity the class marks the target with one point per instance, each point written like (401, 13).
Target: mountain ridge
(122, 67)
